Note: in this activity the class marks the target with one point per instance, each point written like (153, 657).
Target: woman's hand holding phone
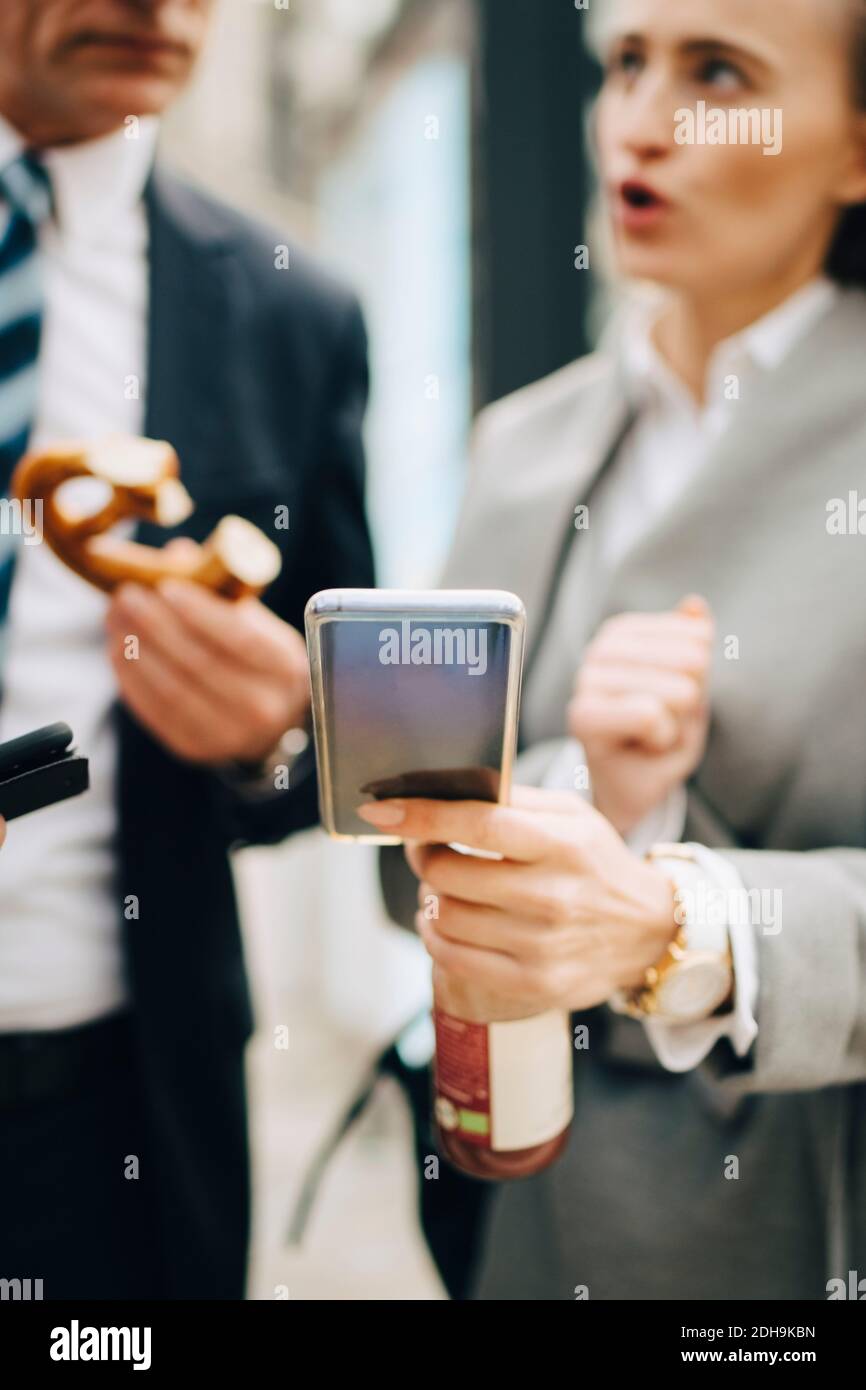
(640, 707)
(566, 916)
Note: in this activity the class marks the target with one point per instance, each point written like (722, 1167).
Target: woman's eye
(627, 61)
(721, 74)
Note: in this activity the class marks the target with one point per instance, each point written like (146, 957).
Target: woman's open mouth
(638, 205)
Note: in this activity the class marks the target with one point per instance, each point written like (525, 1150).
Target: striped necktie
(26, 200)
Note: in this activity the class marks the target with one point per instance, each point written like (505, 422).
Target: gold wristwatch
(695, 975)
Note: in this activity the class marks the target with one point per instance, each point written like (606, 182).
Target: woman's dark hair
(847, 259)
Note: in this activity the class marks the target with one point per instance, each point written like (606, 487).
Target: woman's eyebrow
(703, 46)
(710, 47)
(618, 36)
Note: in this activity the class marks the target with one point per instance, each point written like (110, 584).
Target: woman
(716, 449)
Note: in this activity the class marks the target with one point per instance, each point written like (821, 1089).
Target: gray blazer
(640, 1205)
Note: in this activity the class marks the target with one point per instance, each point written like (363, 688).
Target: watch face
(693, 989)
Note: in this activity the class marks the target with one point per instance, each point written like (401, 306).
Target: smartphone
(415, 693)
(39, 769)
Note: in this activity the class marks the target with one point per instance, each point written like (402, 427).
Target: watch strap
(700, 932)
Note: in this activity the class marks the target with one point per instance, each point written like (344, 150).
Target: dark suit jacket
(258, 377)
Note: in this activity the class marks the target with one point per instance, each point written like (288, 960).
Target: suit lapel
(580, 469)
(189, 383)
(527, 509)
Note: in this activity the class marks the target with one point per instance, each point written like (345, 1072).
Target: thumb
(661, 733)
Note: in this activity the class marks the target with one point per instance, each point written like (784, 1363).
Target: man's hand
(215, 681)
(640, 707)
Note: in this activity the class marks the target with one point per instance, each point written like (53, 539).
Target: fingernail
(383, 812)
(696, 604)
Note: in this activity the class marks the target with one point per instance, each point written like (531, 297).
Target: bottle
(503, 1097)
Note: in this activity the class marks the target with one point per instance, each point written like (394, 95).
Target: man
(130, 303)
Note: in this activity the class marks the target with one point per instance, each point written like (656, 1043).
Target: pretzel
(236, 560)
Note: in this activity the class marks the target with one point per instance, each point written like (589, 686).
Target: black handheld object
(39, 769)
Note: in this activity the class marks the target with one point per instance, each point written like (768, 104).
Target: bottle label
(503, 1086)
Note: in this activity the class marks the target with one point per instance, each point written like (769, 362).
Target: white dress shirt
(667, 445)
(61, 962)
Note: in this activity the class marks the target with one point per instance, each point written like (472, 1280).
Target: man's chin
(107, 101)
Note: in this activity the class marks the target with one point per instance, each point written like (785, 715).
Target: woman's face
(699, 216)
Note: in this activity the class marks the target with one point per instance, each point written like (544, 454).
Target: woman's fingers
(480, 825)
(645, 719)
(644, 675)
(548, 893)
(542, 799)
(679, 641)
(492, 929)
(500, 883)
(655, 650)
(692, 618)
(681, 693)
(486, 969)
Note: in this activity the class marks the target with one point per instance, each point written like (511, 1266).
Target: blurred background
(433, 153)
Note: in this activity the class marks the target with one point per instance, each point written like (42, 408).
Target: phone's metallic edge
(384, 602)
(366, 605)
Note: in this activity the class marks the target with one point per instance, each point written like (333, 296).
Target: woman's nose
(646, 125)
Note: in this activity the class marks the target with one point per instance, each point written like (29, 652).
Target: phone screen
(414, 707)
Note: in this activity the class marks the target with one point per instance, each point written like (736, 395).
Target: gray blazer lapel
(524, 485)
